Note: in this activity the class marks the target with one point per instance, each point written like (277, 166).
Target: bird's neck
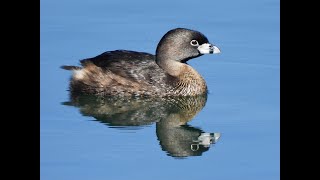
(173, 68)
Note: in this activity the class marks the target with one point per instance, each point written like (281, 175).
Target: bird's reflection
(170, 114)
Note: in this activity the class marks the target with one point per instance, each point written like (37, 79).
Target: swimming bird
(131, 73)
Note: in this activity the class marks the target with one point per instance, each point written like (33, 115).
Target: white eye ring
(194, 43)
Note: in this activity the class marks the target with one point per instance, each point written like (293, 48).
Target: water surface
(233, 133)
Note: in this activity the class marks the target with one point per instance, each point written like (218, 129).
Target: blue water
(243, 103)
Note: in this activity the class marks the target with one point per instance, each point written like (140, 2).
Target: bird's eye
(194, 43)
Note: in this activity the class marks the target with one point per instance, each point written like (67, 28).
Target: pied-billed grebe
(130, 73)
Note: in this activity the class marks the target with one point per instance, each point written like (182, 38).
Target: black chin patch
(187, 59)
(184, 61)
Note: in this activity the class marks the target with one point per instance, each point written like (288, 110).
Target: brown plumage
(130, 73)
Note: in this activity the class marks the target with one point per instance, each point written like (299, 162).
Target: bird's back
(132, 65)
(119, 72)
